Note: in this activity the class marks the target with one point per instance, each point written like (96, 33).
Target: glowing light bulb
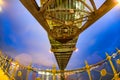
(118, 1)
(76, 50)
(50, 51)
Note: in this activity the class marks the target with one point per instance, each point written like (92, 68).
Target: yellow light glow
(1, 2)
(76, 50)
(50, 51)
(118, 61)
(118, 1)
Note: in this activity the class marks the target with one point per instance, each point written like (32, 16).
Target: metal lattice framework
(64, 20)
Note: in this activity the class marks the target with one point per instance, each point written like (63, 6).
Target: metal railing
(16, 71)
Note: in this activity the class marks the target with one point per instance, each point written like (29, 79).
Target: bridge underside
(64, 23)
(63, 51)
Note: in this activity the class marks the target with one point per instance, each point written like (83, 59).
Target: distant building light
(47, 73)
(40, 72)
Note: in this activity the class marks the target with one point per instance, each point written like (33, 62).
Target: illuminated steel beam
(106, 6)
(63, 30)
(93, 4)
(62, 51)
(47, 3)
(86, 5)
(33, 8)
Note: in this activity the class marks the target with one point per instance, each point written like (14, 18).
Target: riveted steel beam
(33, 8)
(106, 6)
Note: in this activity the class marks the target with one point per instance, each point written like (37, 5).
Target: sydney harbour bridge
(64, 20)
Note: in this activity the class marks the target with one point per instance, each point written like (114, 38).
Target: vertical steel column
(8, 65)
(88, 70)
(5, 59)
(62, 76)
(116, 76)
(54, 72)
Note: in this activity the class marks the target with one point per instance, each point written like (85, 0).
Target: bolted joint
(87, 67)
(108, 57)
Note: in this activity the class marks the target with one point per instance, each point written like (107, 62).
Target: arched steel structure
(64, 20)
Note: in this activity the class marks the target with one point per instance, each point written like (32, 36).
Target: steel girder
(63, 53)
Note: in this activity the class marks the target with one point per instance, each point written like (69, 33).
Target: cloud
(24, 59)
(36, 58)
(45, 59)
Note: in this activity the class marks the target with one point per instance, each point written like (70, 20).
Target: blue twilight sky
(22, 37)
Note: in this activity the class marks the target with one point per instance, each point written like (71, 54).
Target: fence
(107, 69)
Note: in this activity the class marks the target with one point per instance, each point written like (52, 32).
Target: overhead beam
(62, 60)
(107, 6)
(93, 4)
(86, 5)
(47, 3)
(63, 49)
(33, 8)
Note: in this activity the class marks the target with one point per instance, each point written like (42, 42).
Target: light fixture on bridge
(118, 1)
(76, 50)
(50, 51)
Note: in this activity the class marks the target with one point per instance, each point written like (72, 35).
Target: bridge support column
(54, 72)
(62, 76)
